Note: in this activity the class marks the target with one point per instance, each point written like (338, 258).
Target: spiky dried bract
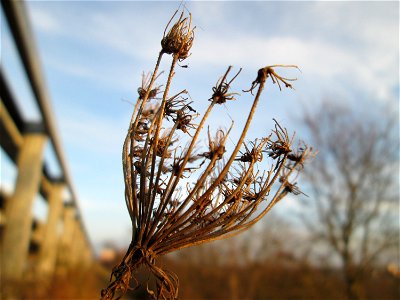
(179, 195)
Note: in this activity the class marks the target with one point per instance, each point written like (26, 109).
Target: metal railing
(17, 19)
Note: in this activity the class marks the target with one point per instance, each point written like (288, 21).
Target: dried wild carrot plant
(225, 195)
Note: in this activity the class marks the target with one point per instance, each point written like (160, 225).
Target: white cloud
(117, 77)
(123, 30)
(44, 21)
(321, 62)
(73, 69)
(366, 22)
(368, 61)
(337, 44)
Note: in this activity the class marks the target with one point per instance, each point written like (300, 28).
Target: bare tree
(354, 188)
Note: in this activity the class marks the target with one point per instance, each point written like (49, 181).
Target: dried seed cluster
(225, 193)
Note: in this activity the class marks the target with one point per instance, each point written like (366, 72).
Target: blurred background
(69, 78)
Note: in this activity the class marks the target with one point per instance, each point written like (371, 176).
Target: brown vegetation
(264, 263)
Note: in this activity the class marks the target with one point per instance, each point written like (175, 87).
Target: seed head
(179, 38)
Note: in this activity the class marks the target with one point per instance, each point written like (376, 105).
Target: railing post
(87, 255)
(48, 249)
(85, 251)
(76, 248)
(66, 241)
(19, 207)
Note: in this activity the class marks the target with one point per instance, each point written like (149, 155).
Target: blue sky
(93, 55)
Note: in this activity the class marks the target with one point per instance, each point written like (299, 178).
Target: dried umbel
(179, 38)
(179, 195)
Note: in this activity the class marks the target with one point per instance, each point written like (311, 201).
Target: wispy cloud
(45, 21)
(330, 64)
(338, 43)
(118, 27)
(340, 47)
(83, 130)
(117, 77)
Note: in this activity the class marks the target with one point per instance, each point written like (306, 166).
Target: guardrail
(24, 143)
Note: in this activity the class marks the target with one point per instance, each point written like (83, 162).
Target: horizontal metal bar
(7, 98)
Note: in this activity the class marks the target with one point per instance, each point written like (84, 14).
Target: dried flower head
(144, 91)
(179, 38)
(288, 187)
(178, 195)
(269, 71)
(216, 147)
(220, 91)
